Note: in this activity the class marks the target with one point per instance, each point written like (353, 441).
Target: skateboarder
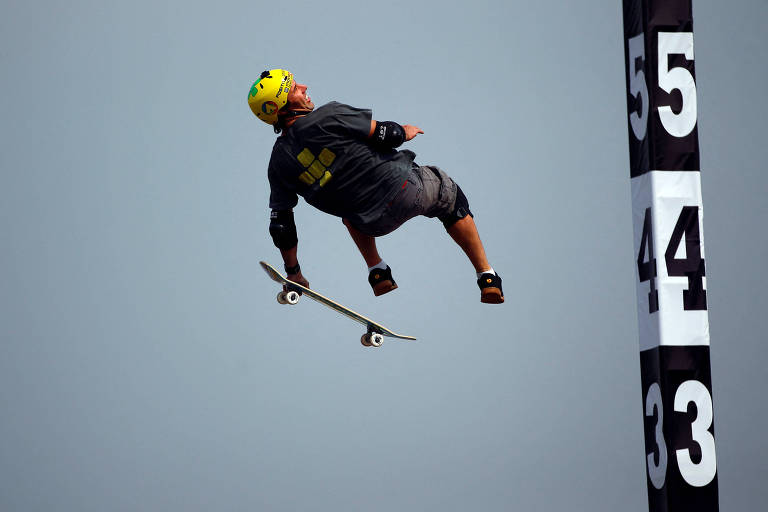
(343, 162)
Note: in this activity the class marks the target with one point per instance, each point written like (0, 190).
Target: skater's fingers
(300, 280)
(411, 131)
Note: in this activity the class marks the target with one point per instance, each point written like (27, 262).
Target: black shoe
(381, 281)
(490, 288)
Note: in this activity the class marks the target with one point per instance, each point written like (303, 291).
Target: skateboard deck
(375, 331)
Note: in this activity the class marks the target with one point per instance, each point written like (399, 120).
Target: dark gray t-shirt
(326, 158)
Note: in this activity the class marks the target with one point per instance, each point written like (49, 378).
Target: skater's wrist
(292, 270)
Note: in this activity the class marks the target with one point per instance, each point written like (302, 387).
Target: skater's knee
(460, 210)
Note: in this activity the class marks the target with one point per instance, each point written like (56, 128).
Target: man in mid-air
(343, 162)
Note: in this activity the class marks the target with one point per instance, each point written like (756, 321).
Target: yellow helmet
(270, 93)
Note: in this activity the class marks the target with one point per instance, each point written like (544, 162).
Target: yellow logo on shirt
(317, 167)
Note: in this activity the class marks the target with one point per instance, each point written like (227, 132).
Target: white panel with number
(667, 217)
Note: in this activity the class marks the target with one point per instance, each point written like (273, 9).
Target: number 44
(691, 266)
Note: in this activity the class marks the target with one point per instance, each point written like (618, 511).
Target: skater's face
(298, 99)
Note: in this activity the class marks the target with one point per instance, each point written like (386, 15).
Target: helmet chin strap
(288, 114)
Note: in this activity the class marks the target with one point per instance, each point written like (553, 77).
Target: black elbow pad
(388, 135)
(283, 229)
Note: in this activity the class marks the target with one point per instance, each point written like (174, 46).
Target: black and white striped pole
(669, 248)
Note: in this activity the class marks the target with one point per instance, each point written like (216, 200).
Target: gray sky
(144, 362)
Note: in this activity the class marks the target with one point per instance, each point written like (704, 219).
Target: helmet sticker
(269, 107)
(285, 85)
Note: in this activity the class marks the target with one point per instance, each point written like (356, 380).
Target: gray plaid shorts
(428, 191)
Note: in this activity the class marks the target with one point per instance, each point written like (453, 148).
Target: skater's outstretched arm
(390, 134)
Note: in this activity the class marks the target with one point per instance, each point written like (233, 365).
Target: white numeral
(657, 473)
(637, 85)
(677, 43)
(698, 475)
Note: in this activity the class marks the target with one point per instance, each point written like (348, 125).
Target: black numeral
(646, 270)
(692, 267)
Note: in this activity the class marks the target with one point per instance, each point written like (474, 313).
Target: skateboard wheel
(292, 297)
(365, 339)
(281, 298)
(376, 339)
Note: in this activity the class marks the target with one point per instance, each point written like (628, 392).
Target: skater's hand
(297, 278)
(411, 131)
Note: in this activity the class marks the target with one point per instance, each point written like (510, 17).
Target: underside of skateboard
(369, 339)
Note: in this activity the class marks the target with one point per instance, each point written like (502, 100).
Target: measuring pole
(670, 266)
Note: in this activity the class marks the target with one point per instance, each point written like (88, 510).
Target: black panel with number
(661, 86)
(679, 378)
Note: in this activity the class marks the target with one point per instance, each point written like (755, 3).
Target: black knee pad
(460, 210)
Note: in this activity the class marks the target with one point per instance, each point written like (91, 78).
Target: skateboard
(376, 332)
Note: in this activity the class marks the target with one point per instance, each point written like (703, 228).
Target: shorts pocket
(407, 203)
(446, 193)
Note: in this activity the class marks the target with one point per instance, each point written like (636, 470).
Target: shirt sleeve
(352, 121)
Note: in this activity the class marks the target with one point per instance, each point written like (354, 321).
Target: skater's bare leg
(380, 278)
(464, 232)
(366, 244)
